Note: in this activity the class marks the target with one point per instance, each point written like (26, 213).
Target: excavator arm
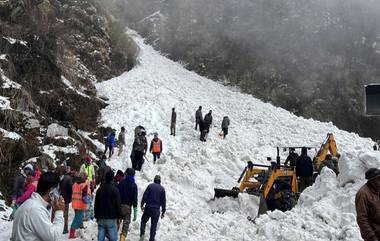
(328, 146)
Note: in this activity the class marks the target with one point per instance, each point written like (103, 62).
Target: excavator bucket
(219, 193)
(263, 208)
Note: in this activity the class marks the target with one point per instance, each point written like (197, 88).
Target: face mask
(54, 194)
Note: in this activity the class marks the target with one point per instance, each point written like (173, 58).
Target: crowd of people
(42, 201)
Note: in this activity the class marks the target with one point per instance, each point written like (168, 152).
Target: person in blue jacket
(128, 193)
(154, 197)
(110, 144)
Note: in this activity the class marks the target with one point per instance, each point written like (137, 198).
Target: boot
(72, 233)
(122, 237)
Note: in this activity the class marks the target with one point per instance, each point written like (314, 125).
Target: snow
(7, 83)
(191, 169)
(51, 149)
(13, 41)
(5, 104)
(69, 85)
(3, 57)
(10, 135)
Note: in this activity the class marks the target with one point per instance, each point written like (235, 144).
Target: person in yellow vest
(89, 169)
(156, 147)
(80, 199)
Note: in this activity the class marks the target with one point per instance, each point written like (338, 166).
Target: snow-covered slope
(190, 169)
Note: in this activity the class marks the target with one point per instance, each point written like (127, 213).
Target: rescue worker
(304, 169)
(80, 199)
(107, 209)
(110, 144)
(140, 146)
(33, 219)
(367, 204)
(225, 125)
(173, 122)
(128, 193)
(208, 122)
(121, 140)
(156, 147)
(291, 160)
(154, 197)
(66, 188)
(198, 117)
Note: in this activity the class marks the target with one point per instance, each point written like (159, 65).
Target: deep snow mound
(191, 169)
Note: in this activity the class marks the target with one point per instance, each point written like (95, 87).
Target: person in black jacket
(154, 197)
(173, 122)
(208, 121)
(202, 129)
(66, 188)
(304, 170)
(198, 117)
(128, 193)
(107, 209)
(291, 160)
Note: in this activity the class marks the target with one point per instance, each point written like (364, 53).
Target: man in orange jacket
(156, 147)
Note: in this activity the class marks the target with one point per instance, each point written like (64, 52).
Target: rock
(56, 130)
(32, 124)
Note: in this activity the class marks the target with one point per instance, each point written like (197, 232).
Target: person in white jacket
(32, 220)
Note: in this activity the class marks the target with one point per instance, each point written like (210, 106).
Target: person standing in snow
(66, 188)
(140, 146)
(304, 170)
(80, 199)
(208, 122)
(291, 160)
(198, 117)
(33, 219)
(155, 147)
(154, 197)
(89, 170)
(367, 203)
(173, 122)
(121, 140)
(202, 129)
(128, 193)
(110, 144)
(102, 170)
(225, 125)
(118, 177)
(107, 209)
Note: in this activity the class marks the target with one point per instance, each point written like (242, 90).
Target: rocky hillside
(51, 55)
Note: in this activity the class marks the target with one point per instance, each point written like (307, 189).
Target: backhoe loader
(275, 184)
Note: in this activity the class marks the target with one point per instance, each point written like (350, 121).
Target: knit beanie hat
(372, 173)
(157, 179)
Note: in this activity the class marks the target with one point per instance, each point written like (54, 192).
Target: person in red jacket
(156, 147)
(30, 188)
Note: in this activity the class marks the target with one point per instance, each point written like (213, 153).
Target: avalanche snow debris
(10, 135)
(69, 85)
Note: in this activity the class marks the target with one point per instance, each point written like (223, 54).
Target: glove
(135, 210)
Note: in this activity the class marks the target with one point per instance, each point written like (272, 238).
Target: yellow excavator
(327, 155)
(275, 184)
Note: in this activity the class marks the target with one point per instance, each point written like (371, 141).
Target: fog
(311, 57)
